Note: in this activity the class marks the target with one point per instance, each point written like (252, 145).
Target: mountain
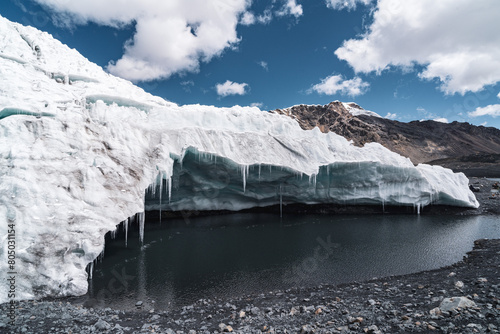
(83, 151)
(474, 150)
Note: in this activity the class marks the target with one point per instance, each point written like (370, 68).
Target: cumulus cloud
(491, 110)
(349, 4)
(288, 8)
(247, 19)
(266, 17)
(455, 41)
(336, 84)
(259, 105)
(231, 88)
(441, 120)
(391, 116)
(291, 8)
(171, 36)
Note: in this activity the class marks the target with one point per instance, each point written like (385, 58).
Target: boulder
(449, 304)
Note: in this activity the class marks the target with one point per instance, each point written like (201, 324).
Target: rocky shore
(462, 298)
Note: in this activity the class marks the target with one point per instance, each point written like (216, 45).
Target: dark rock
(474, 150)
(307, 329)
(102, 325)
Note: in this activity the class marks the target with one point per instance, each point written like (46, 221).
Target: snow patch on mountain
(355, 110)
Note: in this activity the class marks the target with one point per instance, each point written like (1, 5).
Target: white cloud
(456, 41)
(336, 84)
(391, 116)
(430, 116)
(265, 17)
(259, 105)
(498, 95)
(441, 120)
(491, 110)
(231, 88)
(171, 36)
(349, 4)
(247, 19)
(263, 64)
(484, 123)
(186, 85)
(291, 8)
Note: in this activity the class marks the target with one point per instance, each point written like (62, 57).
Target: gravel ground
(423, 302)
(411, 303)
(489, 205)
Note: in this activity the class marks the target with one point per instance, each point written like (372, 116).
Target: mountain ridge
(459, 146)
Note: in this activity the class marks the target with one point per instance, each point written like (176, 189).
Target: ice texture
(82, 151)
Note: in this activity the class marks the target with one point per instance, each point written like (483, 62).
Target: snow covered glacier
(82, 151)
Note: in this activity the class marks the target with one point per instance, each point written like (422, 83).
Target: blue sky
(405, 60)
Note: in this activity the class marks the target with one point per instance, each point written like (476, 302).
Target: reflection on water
(237, 254)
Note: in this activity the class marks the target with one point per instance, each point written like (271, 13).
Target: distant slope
(474, 150)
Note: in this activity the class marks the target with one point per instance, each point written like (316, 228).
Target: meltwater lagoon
(184, 260)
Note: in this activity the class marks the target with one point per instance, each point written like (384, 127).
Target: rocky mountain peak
(460, 146)
(335, 116)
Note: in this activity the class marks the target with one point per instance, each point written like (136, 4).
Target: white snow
(80, 149)
(355, 110)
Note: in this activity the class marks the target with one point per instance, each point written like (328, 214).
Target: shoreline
(383, 305)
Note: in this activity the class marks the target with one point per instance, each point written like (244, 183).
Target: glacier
(82, 151)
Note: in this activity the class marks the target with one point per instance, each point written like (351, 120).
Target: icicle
(418, 209)
(140, 218)
(161, 191)
(169, 186)
(113, 234)
(91, 269)
(281, 203)
(243, 172)
(259, 171)
(126, 222)
(312, 179)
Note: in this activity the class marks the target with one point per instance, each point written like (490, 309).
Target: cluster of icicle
(138, 218)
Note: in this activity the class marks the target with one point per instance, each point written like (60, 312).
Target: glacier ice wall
(79, 149)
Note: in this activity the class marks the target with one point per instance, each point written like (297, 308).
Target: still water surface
(182, 261)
